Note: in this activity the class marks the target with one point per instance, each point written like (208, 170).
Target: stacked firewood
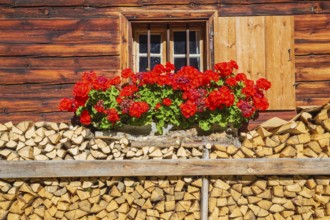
(306, 136)
(271, 198)
(101, 198)
(59, 141)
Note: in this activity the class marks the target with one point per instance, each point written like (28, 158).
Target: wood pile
(59, 141)
(101, 198)
(269, 198)
(305, 136)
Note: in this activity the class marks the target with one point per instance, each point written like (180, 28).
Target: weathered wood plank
(60, 50)
(27, 104)
(280, 65)
(30, 3)
(57, 76)
(312, 48)
(304, 101)
(70, 63)
(58, 12)
(17, 117)
(168, 15)
(319, 21)
(313, 74)
(312, 61)
(88, 24)
(312, 36)
(55, 36)
(193, 167)
(35, 91)
(313, 88)
(294, 8)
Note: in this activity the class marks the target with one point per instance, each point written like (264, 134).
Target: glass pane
(195, 62)
(179, 62)
(193, 43)
(155, 41)
(143, 63)
(154, 61)
(179, 42)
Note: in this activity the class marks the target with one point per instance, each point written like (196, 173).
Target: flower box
(184, 98)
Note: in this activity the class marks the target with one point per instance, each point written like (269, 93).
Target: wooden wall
(45, 45)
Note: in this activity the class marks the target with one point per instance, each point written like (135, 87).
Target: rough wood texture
(37, 169)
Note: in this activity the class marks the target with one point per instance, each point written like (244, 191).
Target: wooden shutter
(263, 46)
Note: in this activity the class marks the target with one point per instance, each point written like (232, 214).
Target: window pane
(154, 61)
(179, 62)
(143, 63)
(195, 62)
(155, 41)
(179, 42)
(193, 43)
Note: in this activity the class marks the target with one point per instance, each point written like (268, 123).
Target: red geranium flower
(81, 89)
(126, 73)
(241, 77)
(167, 102)
(101, 83)
(113, 115)
(115, 81)
(67, 105)
(157, 106)
(188, 109)
(263, 83)
(85, 117)
(231, 81)
(128, 90)
(99, 107)
(225, 68)
(261, 103)
(137, 109)
(246, 108)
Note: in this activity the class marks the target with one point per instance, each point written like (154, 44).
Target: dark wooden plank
(305, 101)
(308, 22)
(26, 105)
(168, 15)
(35, 91)
(59, 50)
(193, 167)
(62, 3)
(312, 61)
(21, 76)
(59, 12)
(312, 48)
(17, 117)
(313, 88)
(294, 8)
(313, 74)
(89, 24)
(312, 36)
(55, 36)
(70, 63)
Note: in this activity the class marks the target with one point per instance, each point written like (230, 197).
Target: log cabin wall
(45, 45)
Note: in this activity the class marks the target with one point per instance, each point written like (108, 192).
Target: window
(179, 43)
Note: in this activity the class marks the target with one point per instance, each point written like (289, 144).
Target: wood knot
(250, 170)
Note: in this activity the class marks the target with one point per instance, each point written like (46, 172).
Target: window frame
(161, 29)
(127, 18)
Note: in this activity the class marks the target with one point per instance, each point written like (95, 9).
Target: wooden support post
(205, 191)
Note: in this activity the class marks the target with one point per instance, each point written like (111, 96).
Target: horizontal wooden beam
(194, 167)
